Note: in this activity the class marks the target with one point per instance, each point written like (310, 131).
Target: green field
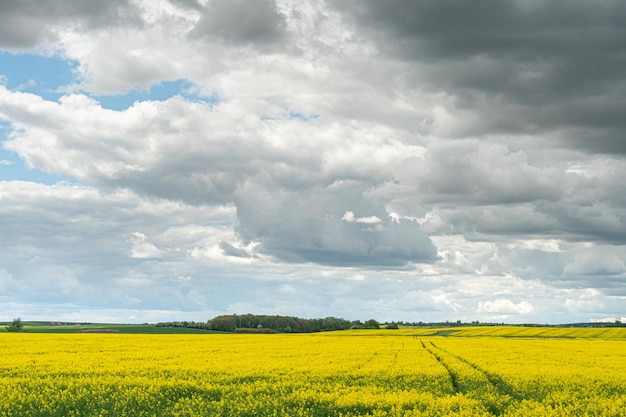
(49, 327)
(507, 331)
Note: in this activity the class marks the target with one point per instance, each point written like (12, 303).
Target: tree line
(279, 324)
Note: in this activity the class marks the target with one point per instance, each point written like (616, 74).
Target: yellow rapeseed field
(408, 372)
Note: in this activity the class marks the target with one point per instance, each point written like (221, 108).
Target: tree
(371, 324)
(16, 326)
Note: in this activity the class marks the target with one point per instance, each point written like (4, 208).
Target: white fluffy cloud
(502, 305)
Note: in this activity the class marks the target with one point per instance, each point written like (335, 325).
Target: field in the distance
(52, 327)
(465, 371)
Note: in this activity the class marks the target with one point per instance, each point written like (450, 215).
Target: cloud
(8, 284)
(445, 154)
(505, 306)
(349, 217)
(256, 23)
(142, 249)
(550, 245)
(597, 261)
(533, 67)
(25, 24)
(307, 226)
(274, 186)
(230, 250)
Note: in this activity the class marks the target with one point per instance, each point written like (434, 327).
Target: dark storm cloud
(24, 23)
(240, 22)
(229, 250)
(318, 225)
(524, 66)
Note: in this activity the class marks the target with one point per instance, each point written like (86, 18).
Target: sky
(408, 160)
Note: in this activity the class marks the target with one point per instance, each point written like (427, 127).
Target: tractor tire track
(451, 374)
(468, 379)
(494, 379)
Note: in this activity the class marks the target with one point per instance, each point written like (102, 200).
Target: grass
(48, 327)
(550, 332)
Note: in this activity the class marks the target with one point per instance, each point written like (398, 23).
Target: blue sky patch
(161, 91)
(46, 76)
(41, 75)
(303, 117)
